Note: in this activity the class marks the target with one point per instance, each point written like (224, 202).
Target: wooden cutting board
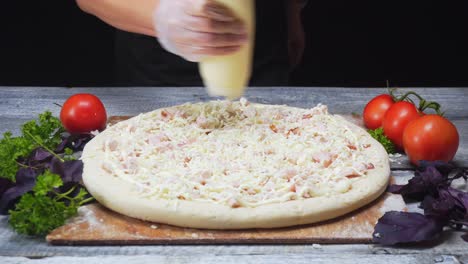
(96, 225)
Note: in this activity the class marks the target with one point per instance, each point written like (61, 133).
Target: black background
(349, 43)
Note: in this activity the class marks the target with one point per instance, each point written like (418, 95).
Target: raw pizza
(235, 165)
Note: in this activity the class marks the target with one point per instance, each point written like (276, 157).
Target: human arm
(191, 29)
(132, 16)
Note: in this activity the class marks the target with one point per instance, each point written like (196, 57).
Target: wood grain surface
(97, 225)
(20, 104)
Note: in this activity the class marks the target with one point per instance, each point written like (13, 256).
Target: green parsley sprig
(45, 209)
(378, 134)
(45, 132)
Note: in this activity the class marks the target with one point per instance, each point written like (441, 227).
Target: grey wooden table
(18, 105)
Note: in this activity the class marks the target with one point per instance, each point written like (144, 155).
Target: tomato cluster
(422, 136)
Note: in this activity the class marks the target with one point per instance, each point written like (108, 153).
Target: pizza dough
(235, 165)
(229, 75)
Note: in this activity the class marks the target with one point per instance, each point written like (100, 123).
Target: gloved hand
(194, 29)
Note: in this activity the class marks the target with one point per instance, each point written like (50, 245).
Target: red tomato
(395, 120)
(375, 110)
(430, 137)
(83, 113)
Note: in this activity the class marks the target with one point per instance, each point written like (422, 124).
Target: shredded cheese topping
(236, 153)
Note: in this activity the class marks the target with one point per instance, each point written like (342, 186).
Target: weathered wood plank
(234, 259)
(96, 225)
(18, 105)
(24, 101)
(21, 104)
(12, 244)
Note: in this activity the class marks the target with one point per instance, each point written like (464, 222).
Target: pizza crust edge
(118, 195)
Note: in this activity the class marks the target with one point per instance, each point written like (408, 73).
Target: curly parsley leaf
(378, 134)
(46, 132)
(40, 212)
(11, 149)
(47, 182)
(68, 154)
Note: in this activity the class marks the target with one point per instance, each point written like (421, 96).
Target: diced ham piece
(349, 173)
(131, 165)
(262, 137)
(289, 174)
(234, 203)
(107, 168)
(156, 139)
(353, 175)
(202, 122)
(235, 184)
(112, 144)
(165, 114)
(325, 158)
(206, 174)
(295, 131)
(319, 110)
(250, 191)
(165, 146)
(131, 128)
(187, 142)
(181, 114)
(320, 127)
(359, 166)
(352, 147)
(250, 112)
(292, 188)
(265, 181)
(269, 151)
(244, 102)
(279, 116)
(274, 128)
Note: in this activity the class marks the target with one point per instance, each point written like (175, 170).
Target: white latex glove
(194, 29)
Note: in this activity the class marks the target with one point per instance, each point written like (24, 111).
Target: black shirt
(141, 61)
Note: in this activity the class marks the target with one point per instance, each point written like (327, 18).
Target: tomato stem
(423, 103)
(43, 146)
(406, 96)
(391, 92)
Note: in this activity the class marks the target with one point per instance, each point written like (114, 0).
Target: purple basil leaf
(74, 142)
(462, 174)
(69, 171)
(403, 227)
(440, 208)
(40, 154)
(37, 159)
(465, 237)
(461, 200)
(443, 167)
(427, 180)
(395, 188)
(5, 184)
(25, 181)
